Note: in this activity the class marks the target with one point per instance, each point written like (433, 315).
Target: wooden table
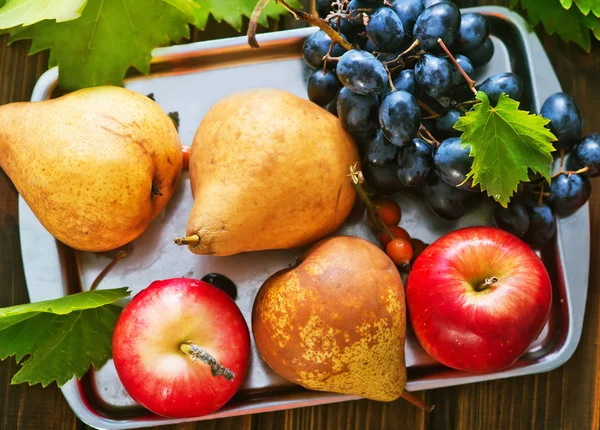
(567, 398)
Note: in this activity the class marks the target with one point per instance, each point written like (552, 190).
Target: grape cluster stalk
(397, 73)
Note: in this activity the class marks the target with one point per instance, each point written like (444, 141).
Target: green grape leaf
(232, 11)
(566, 3)
(60, 338)
(570, 25)
(15, 13)
(108, 38)
(505, 142)
(587, 6)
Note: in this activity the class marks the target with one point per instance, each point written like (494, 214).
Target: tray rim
(540, 68)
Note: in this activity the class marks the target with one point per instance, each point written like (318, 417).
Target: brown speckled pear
(336, 322)
(95, 166)
(269, 170)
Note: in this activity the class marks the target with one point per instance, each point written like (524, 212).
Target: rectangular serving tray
(190, 79)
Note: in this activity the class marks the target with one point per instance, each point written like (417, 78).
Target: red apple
(158, 334)
(477, 298)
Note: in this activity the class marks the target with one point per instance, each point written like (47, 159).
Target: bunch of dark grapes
(405, 83)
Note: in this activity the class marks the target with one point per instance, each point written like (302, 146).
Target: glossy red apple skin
(146, 343)
(478, 331)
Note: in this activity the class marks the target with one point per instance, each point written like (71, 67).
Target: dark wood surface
(566, 398)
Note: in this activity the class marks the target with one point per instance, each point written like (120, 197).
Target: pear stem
(198, 353)
(192, 240)
(120, 255)
(416, 401)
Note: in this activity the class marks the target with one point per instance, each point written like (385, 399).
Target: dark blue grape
(452, 163)
(568, 193)
(408, 11)
(323, 7)
(316, 46)
(474, 30)
(586, 154)
(369, 46)
(434, 75)
(510, 84)
(222, 282)
(379, 166)
(429, 3)
(404, 81)
(356, 9)
(399, 117)
(438, 21)
(361, 72)
(513, 219)
(542, 225)
(449, 203)
(565, 119)
(379, 151)
(385, 30)
(445, 123)
(414, 162)
(357, 112)
(465, 63)
(322, 87)
(482, 55)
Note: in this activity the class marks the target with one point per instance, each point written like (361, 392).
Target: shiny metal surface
(191, 78)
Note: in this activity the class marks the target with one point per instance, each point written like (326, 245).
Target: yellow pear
(336, 322)
(268, 170)
(95, 166)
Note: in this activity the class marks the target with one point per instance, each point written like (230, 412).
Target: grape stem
(298, 14)
(428, 133)
(562, 160)
(427, 109)
(391, 81)
(357, 179)
(118, 257)
(396, 61)
(470, 81)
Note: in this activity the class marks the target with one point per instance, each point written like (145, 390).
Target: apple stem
(120, 255)
(197, 353)
(416, 401)
(192, 240)
(487, 283)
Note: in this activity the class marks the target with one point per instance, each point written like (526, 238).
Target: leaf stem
(470, 81)
(118, 257)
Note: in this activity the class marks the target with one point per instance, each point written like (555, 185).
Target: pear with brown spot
(268, 170)
(336, 322)
(95, 166)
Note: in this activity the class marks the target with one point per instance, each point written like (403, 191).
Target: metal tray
(190, 79)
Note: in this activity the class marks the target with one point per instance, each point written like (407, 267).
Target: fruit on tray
(477, 298)
(95, 166)
(268, 170)
(336, 322)
(181, 348)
